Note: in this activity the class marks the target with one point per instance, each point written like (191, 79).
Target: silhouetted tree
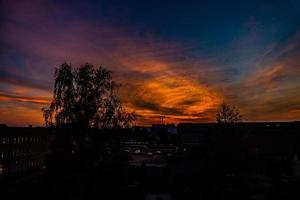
(228, 114)
(86, 96)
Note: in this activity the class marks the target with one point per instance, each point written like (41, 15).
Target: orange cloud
(168, 92)
(272, 91)
(25, 99)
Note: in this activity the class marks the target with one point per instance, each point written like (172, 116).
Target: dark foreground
(141, 166)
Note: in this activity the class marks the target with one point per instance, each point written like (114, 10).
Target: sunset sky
(179, 59)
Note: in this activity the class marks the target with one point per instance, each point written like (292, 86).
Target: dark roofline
(297, 123)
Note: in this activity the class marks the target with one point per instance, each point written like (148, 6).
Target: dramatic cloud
(272, 90)
(182, 79)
